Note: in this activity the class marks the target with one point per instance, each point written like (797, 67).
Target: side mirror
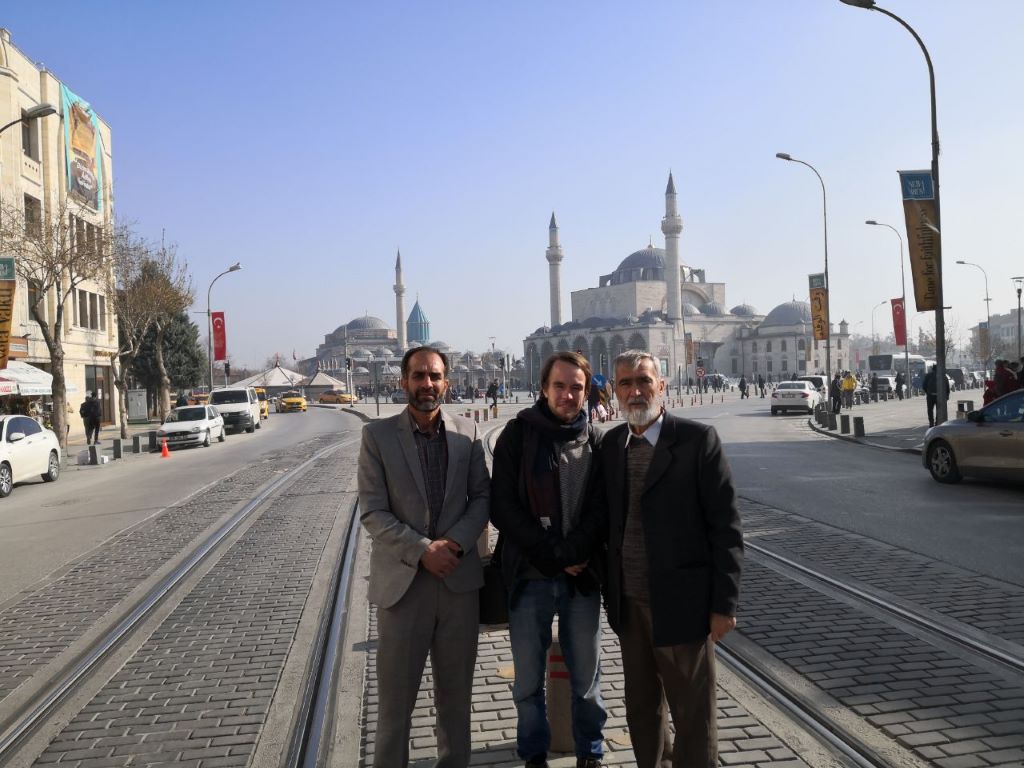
(15, 437)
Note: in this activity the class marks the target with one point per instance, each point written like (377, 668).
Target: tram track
(20, 725)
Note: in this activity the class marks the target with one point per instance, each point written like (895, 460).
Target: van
(239, 406)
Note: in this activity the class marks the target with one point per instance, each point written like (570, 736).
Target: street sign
(600, 380)
(7, 268)
(700, 373)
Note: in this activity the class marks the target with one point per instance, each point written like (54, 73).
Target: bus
(891, 364)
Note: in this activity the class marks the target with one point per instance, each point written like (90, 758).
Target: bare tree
(172, 293)
(55, 252)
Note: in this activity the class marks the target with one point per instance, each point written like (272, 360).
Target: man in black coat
(674, 553)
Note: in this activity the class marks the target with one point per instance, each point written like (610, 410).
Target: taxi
(338, 397)
(261, 395)
(292, 400)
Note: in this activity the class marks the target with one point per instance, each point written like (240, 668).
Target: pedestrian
(835, 392)
(930, 386)
(873, 386)
(743, 387)
(423, 498)
(761, 384)
(900, 381)
(182, 400)
(543, 473)
(91, 412)
(1004, 378)
(674, 556)
(849, 387)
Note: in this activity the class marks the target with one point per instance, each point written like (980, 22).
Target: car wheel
(206, 441)
(775, 411)
(259, 424)
(222, 435)
(52, 468)
(251, 428)
(6, 480)
(942, 462)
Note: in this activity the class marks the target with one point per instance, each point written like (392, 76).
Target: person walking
(761, 384)
(544, 470)
(743, 387)
(674, 554)
(1004, 379)
(930, 393)
(835, 392)
(849, 387)
(900, 381)
(423, 498)
(91, 412)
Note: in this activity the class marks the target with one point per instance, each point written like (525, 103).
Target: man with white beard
(674, 553)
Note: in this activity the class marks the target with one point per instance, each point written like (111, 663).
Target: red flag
(220, 341)
(899, 322)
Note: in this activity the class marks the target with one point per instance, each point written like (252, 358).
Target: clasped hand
(441, 557)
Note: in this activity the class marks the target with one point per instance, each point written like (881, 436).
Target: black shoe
(537, 762)
(588, 762)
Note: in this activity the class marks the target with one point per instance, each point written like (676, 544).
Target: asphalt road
(45, 526)
(887, 495)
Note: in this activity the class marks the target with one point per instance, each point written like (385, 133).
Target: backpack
(83, 409)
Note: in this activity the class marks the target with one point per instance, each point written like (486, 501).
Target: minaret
(400, 304)
(554, 257)
(672, 226)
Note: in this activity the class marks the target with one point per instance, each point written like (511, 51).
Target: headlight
(194, 429)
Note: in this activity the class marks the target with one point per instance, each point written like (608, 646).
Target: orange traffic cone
(164, 453)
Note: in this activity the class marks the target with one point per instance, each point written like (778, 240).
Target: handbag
(493, 595)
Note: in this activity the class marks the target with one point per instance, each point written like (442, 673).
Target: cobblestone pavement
(198, 691)
(38, 625)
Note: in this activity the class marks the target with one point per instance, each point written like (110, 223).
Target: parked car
(795, 396)
(239, 406)
(338, 397)
(292, 400)
(26, 450)
(192, 425)
(988, 443)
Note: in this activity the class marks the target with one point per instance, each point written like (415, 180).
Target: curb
(860, 441)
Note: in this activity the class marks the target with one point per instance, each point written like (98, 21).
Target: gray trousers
(677, 680)
(432, 619)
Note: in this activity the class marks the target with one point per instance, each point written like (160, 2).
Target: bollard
(858, 426)
(152, 441)
(476, 416)
(136, 443)
(831, 421)
(844, 424)
(117, 448)
(558, 701)
(486, 414)
(94, 455)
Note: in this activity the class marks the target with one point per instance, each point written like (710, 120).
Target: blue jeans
(579, 633)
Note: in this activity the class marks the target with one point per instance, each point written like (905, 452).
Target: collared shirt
(432, 447)
(651, 434)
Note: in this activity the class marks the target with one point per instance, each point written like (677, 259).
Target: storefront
(25, 390)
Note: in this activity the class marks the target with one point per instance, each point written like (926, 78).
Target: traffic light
(348, 363)
(227, 368)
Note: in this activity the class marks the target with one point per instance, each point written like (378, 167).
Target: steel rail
(977, 646)
(56, 692)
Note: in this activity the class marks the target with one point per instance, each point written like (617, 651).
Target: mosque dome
(790, 313)
(743, 310)
(366, 323)
(690, 310)
(713, 308)
(646, 258)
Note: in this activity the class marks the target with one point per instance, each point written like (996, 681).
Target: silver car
(988, 443)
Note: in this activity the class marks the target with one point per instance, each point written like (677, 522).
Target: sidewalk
(109, 433)
(896, 425)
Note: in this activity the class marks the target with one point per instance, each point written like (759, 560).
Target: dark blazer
(691, 529)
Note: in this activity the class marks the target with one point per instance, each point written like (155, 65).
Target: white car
(192, 425)
(26, 450)
(795, 396)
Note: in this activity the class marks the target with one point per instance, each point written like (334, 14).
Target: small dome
(713, 308)
(367, 322)
(690, 309)
(646, 258)
(438, 345)
(790, 313)
(743, 310)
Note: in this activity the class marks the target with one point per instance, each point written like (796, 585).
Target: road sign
(599, 379)
(700, 373)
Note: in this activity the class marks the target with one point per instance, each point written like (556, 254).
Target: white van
(239, 406)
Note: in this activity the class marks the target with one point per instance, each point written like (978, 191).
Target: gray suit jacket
(393, 504)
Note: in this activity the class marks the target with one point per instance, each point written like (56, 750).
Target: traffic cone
(164, 453)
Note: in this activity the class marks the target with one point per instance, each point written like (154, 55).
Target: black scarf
(544, 435)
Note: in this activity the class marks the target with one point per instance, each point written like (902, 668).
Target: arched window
(801, 345)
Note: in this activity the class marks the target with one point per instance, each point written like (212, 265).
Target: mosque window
(768, 348)
(801, 345)
(768, 365)
(783, 347)
(802, 365)
(753, 347)
(785, 364)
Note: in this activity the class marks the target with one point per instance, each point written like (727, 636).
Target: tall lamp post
(209, 321)
(874, 338)
(828, 287)
(941, 412)
(903, 295)
(1018, 283)
(988, 312)
(34, 113)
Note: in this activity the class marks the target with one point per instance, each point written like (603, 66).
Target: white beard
(641, 417)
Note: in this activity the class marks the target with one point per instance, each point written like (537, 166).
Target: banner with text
(83, 150)
(923, 238)
(220, 339)
(899, 321)
(7, 285)
(819, 305)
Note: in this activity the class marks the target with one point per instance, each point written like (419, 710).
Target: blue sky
(310, 141)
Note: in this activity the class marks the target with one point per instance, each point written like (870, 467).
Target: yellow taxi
(199, 398)
(292, 400)
(261, 395)
(338, 397)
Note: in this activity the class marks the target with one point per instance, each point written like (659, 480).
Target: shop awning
(20, 378)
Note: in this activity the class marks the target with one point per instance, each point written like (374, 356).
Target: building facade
(47, 164)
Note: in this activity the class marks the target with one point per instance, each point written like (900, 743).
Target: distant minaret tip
(398, 261)
(553, 224)
(671, 188)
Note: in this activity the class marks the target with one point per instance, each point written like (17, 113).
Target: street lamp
(874, 340)
(824, 217)
(903, 294)
(941, 413)
(1018, 283)
(988, 316)
(39, 110)
(209, 324)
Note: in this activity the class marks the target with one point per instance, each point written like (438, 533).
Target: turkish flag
(220, 339)
(899, 322)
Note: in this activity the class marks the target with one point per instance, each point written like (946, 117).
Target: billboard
(923, 238)
(220, 339)
(83, 150)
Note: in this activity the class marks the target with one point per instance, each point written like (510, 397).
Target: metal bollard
(486, 413)
(136, 443)
(831, 421)
(94, 455)
(858, 426)
(844, 424)
(476, 416)
(117, 448)
(152, 441)
(559, 697)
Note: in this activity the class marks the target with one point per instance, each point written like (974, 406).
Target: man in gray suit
(424, 499)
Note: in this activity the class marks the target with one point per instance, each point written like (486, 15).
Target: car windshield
(187, 414)
(791, 385)
(291, 394)
(261, 395)
(229, 396)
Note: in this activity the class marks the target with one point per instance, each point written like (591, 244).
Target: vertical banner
(689, 348)
(923, 239)
(899, 321)
(220, 340)
(819, 305)
(7, 285)
(984, 340)
(83, 150)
